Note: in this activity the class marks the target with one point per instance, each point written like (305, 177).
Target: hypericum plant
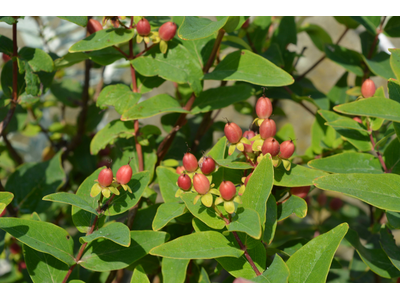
(118, 200)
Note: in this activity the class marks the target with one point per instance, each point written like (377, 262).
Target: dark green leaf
(347, 123)
(72, 199)
(259, 35)
(233, 163)
(117, 232)
(293, 205)
(37, 59)
(167, 179)
(218, 151)
(7, 80)
(394, 219)
(380, 65)
(81, 21)
(200, 49)
(194, 28)
(317, 34)
(394, 90)
(174, 270)
(286, 33)
(6, 45)
(167, 212)
(392, 27)
(348, 59)
(370, 22)
(8, 20)
(105, 56)
(32, 82)
(337, 94)
(278, 272)
(389, 246)
(347, 21)
(271, 220)
(297, 176)
(147, 84)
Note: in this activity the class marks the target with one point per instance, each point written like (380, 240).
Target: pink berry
(167, 31)
(357, 119)
(189, 162)
(267, 129)
(249, 134)
(201, 183)
(124, 174)
(93, 26)
(180, 170)
(263, 107)
(233, 132)
(184, 182)
(287, 149)
(242, 280)
(227, 190)
(207, 166)
(322, 199)
(368, 88)
(105, 177)
(6, 57)
(300, 191)
(143, 27)
(270, 146)
(336, 204)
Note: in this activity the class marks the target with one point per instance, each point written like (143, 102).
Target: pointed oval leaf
(174, 270)
(379, 190)
(71, 199)
(380, 65)
(41, 236)
(277, 272)
(244, 65)
(247, 221)
(139, 275)
(311, 263)
(117, 232)
(195, 28)
(167, 180)
(103, 39)
(293, 205)
(201, 245)
(118, 95)
(167, 212)
(297, 176)
(37, 59)
(219, 149)
(348, 59)
(105, 56)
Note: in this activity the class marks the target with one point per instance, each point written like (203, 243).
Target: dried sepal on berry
(207, 199)
(96, 189)
(286, 164)
(113, 190)
(242, 189)
(229, 206)
(106, 192)
(126, 188)
(276, 162)
(163, 46)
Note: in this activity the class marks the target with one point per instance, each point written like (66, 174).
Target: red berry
(368, 88)
(15, 248)
(184, 182)
(263, 107)
(6, 57)
(207, 166)
(336, 204)
(233, 132)
(190, 162)
(227, 190)
(21, 266)
(201, 183)
(124, 174)
(267, 129)
(248, 134)
(143, 27)
(321, 199)
(246, 24)
(167, 31)
(93, 26)
(3, 213)
(247, 179)
(105, 177)
(300, 191)
(270, 146)
(242, 280)
(357, 119)
(180, 170)
(287, 149)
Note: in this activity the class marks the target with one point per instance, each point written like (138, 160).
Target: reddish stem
(122, 52)
(144, 51)
(378, 154)
(248, 159)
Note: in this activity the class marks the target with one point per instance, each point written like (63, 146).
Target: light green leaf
(297, 176)
(120, 96)
(5, 199)
(380, 65)
(293, 205)
(71, 199)
(218, 151)
(194, 28)
(78, 20)
(347, 123)
(139, 275)
(167, 180)
(167, 212)
(37, 59)
(248, 221)
(233, 163)
(311, 262)
(117, 232)
(278, 272)
(174, 270)
(348, 59)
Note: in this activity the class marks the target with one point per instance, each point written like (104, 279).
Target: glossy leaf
(32, 181)
(167, 180)
(278, 272)
(293, 205)
(311, 262)
(297, 176)
(380, 65)
(78, 20)
(389, 246)
(161, 103)
(139, 275)
(109, 133)
(174, 270)
(379, 190)
(348, 59)
(104, 255)
(246, 66)
(348, 162)
(221, 97)
(71, 199)
(103, 39)
(117, 232)
(317, 34)
(41, 236)
(194, 28)
(167, 212)
(200, 245)
(248, 221)
(120, 96)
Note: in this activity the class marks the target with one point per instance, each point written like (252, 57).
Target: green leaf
(109, 133)
(8, 20)
(379, 190)
(271, 220)
(259, 35)
(103, 39)
(167, 212)
(376, 259)
(370, 22)
(5, 199)
(395, 61)
(380, 65)
(348, 162)
(203, 213)
(120, 96)
(32, 181)
(32, 82)
(41, 236)
(286, 33)
(42, 267)
(203, 278)
(37, 59)
(259, 188)
(7, 80)
(71, 199)
(218, 151)
(233, 163)
(348, 124)
(167, 180)
(147, 84)
(347, 21)
(389, 246)
(68, 91)
(394, 91)
(78, 20)
(394, 219)
(348, 59)
(139, 275)
(293, 205)
(243, 65)
(194, 28)
(391, 155)
(69, 59)
(104, 255)
(221, 97)
(311, 262)
(6, 45)
(105, 56)
(337, 94)
(317, 34)
(248, 221)
(200, 49)
(278, 272)
(117, 232)
(392, 27)
(174, 270)
(200, 245)
(161, 103)
(297, 176)
(178, 65)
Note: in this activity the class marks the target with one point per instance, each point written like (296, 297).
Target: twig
(122, 52)
(144, 51)
(214, 51)
(378, 154)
